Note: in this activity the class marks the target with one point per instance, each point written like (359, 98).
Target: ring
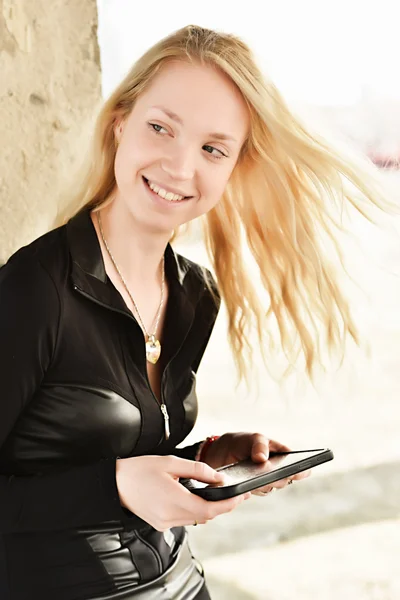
(195, 523)
(290, 481)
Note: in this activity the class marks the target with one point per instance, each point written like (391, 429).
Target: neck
(137, 252)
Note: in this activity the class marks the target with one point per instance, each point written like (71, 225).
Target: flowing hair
(283, 202)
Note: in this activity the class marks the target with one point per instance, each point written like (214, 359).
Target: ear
(118, 129)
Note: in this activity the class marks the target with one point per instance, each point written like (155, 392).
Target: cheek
(124, 171)
(216, 185)
(118, 168)
(127, 161)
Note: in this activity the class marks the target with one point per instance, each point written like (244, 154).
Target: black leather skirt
(106, 562)
(183, 580)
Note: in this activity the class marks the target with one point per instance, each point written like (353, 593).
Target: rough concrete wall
(49, 90)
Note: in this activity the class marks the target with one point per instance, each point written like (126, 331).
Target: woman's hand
(149, 487)
(233, 447)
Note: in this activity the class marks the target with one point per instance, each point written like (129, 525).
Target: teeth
(164, 194)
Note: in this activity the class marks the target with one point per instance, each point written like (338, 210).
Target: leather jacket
(74, 397)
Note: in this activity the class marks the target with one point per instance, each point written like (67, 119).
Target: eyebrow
(177, 118)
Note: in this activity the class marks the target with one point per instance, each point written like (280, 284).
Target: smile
(170, 196)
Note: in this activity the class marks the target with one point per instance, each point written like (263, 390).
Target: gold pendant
(153, 349)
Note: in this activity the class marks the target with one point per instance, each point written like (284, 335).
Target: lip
(168, 189)
(162, 201)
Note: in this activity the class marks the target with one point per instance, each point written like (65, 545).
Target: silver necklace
(153, 346)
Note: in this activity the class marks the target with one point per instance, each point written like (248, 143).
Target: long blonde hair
(279, 203)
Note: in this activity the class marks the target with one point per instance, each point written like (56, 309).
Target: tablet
(247, 475)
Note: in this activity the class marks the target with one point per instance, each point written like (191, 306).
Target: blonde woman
(103, 326)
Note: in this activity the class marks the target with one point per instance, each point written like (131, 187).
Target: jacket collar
(185, 281)
(87, 257)
(89, 276)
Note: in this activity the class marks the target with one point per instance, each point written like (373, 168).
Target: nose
(179, 164)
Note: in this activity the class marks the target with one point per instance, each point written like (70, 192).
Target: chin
(153, 223)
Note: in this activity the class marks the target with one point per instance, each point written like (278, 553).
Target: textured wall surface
(50, 88)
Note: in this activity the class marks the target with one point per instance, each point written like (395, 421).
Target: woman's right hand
(149, 487)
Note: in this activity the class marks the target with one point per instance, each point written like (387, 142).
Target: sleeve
(206, 317)
(188, 452)
(207, 314)
(30, 310)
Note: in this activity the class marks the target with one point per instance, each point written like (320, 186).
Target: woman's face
(183, 136)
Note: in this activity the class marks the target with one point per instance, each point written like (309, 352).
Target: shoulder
(42, 248)
(200, 277)
(46, 250)
(33, 269)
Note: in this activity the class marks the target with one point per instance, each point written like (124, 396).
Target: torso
(91, 406)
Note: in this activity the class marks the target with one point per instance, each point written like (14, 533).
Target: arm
(208, 310)
(30, 310)
(188, 452)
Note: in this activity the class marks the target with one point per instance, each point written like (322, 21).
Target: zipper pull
(166, 420)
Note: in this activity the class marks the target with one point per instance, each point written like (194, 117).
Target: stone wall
(50, 89)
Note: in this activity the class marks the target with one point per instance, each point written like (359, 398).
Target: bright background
(341, 54)
(319, 52)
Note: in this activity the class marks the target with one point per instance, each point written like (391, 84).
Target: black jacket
(74, 396)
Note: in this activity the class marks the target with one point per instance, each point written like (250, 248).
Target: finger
(180, 467)
(302, 475)
(275, 446)
(259, 448)
(263, 491)
(187, 522)
(280, 484)
(203, 510)
(184, 522)
(214, 509)
(192, 504)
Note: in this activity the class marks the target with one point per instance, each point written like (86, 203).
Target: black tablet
(247, 475)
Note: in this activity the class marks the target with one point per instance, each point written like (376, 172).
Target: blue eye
(156, 128)
(221, 154)
(153, 128)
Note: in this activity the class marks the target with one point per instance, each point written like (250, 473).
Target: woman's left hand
(233, 447)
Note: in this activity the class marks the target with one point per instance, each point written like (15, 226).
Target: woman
(103, 326)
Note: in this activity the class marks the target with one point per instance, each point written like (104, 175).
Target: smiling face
(182, 139)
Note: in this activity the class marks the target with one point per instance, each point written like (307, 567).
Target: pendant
(153, 349)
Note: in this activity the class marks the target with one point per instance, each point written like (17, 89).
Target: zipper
(166, 420)
(162, 406)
